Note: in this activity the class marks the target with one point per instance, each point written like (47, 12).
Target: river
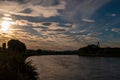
(60, 67)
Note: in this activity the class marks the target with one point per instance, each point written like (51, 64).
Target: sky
(61, 24)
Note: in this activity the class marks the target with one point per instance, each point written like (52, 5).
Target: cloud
(23, 22)
(89, 39)
(88, 20)
(31, 8)
(82, 31)
(28, 23)
(54, 30)
(81, 8)
(56, 42)
(115, 30)
(52, 27)
(46, 23)
(45, 8)
(113, 15)
(58, 24)
(55, 26)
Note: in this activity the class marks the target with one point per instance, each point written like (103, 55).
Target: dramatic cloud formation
(31, 8)
(61, 24)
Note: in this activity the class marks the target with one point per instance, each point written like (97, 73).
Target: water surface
(77, 68)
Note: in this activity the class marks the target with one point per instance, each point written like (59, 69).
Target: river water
(69, 67)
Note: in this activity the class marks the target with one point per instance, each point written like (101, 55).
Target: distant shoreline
(87, 52)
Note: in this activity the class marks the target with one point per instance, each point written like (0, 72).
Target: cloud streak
(14, 8)
(88, 20)
(115, 30)
(82, 8)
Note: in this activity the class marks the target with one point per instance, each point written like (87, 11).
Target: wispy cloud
(88, 20)
(82, 8)
(113, 14)
(28, 23)
(14, 8)
(115, 30)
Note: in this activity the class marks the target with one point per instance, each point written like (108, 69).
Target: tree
(16, 46)
(15, 66)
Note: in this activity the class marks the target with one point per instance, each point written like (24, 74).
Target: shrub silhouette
(13, 64)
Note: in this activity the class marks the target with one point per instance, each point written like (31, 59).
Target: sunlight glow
(6, 23)
(5, 26)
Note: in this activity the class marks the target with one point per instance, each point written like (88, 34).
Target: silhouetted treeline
(50, 52)
(90, 50)
(94, 50)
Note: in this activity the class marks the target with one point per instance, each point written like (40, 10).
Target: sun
(5, 26)
(6, 23)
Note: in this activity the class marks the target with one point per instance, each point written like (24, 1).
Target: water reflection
(77, 68)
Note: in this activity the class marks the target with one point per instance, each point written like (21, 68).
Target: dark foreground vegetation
(13, 64)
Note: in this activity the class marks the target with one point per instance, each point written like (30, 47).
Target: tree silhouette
(14, 66)
(16, 46)
(4, 46)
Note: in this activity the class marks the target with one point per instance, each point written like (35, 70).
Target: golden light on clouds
(6, 24)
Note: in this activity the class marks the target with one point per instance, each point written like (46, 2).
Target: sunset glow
(61, 24)
(6, 23)
(5, 26)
